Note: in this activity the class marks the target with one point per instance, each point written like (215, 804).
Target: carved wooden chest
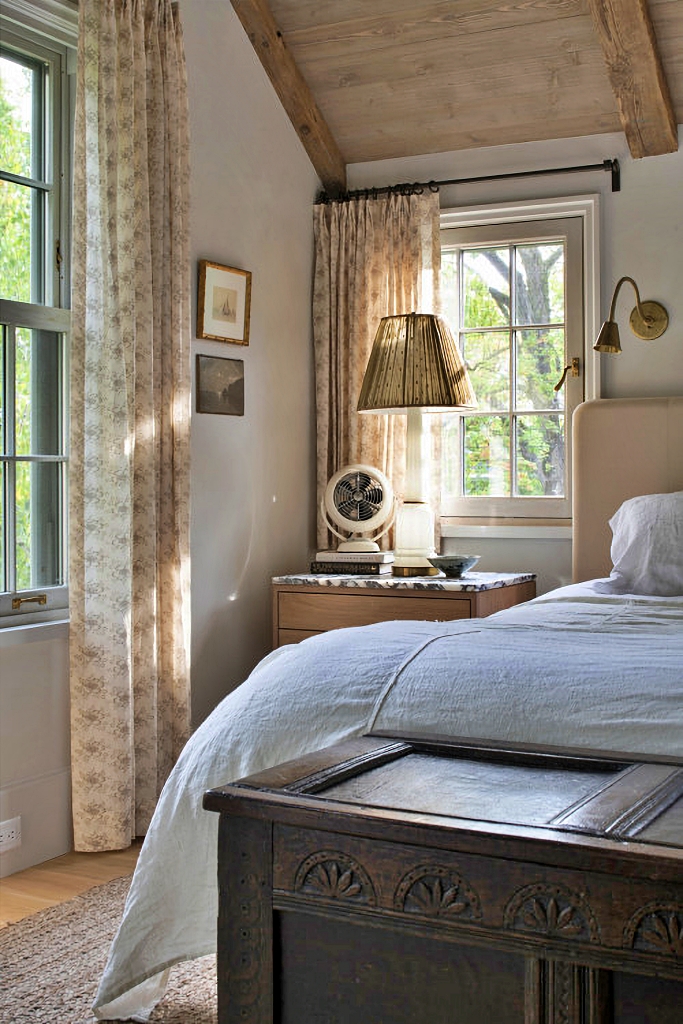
(396, 881)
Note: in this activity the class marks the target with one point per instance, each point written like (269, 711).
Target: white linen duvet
(578, 667)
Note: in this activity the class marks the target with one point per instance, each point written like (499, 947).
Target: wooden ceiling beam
(627, 38)
(294, 93)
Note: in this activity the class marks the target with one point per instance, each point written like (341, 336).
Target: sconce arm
(648, 319)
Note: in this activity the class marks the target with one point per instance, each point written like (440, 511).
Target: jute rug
(50, 965)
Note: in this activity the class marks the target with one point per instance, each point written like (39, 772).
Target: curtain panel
(375, 256)
(130, 411)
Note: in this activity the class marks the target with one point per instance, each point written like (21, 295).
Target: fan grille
(357, 497)
(359, 500)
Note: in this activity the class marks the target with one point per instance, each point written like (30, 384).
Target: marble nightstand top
(468, 582)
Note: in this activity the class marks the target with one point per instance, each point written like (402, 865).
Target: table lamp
(415, 366)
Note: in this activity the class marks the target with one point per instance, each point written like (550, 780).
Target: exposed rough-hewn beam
(625, 31)
(294, 93)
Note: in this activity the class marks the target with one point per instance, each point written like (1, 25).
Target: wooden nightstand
(307, 604)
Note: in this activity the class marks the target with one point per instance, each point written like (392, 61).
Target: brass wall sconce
(648, 321)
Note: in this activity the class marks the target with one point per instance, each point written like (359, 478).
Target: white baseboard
(44, 805)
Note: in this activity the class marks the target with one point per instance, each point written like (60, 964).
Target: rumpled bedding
(577, 667)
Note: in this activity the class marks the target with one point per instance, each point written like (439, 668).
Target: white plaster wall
(545, 550)
(641, 233)
(35, 781)
(252, 477)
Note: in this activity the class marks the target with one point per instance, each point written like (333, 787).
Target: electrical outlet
(10, 834)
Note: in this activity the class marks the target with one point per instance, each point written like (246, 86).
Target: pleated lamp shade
(415, 363)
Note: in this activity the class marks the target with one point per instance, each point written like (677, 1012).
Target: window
(34, 143)
(513, 290)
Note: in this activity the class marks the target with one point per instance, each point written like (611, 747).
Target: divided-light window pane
(507, 304)
(540, 455)
(540, 359)
(33, 455)
(16, 204)
(23, 84)
(486, 287)
(38, 505)
(38, 393)
(539, 291)
(514, 370)
(487, 455)
(18, 88)
(487, 355)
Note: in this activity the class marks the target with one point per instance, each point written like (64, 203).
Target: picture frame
(220, 385)
(223, 303)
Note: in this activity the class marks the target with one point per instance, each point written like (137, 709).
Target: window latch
(37, 599)
(572, 368)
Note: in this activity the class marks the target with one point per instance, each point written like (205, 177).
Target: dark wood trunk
(359, 886)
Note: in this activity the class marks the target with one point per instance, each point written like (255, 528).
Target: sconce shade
(415, 364)
(608, 338)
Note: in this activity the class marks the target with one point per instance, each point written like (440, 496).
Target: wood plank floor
(58, 880)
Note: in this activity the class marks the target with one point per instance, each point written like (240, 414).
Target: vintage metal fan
(358, 507)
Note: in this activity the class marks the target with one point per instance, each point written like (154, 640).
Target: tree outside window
(508, 304)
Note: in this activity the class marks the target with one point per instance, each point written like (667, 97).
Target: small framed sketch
(223, 301)
(220, 385)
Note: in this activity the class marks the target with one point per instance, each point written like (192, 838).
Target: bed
(597, 665)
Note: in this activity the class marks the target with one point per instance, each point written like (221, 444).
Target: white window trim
(587, 208)
(53, 19)
(452, 528)
(55, 22)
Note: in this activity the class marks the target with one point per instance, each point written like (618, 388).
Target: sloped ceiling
(389, 78)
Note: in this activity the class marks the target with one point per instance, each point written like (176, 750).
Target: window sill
(504, 531)
(31, 632)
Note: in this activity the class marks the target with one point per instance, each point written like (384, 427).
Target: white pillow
(647, 545)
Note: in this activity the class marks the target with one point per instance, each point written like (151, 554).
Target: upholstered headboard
(621, 447)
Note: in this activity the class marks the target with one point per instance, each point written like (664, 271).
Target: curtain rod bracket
(613, 167)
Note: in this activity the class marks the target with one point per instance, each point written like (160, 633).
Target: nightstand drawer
(323, 611)
(304, 605)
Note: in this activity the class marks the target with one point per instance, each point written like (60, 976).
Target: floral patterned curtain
(375, 256)
(130, 405)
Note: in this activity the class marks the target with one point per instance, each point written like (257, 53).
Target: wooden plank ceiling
(374, 80)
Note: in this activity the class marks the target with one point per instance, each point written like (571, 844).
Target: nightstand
(305, 604)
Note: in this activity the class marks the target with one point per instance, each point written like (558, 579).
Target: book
(370, 557)
(349, 568)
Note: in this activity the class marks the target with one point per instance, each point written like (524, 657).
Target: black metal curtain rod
(418, 187)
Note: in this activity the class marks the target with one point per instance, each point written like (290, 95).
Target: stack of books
(352, 563)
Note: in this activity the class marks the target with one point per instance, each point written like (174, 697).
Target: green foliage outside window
(15, 200)
(512, 337)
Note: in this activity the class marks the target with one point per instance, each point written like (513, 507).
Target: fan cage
(359, 500)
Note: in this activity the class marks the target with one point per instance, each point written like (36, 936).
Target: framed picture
(220, 385)
(223, 303)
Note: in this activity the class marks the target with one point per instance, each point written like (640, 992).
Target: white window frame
(502, 222)
(45, 31)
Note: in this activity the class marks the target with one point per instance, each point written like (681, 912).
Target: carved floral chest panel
(420, 882)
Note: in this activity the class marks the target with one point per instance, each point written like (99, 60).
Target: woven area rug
(50, 965)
